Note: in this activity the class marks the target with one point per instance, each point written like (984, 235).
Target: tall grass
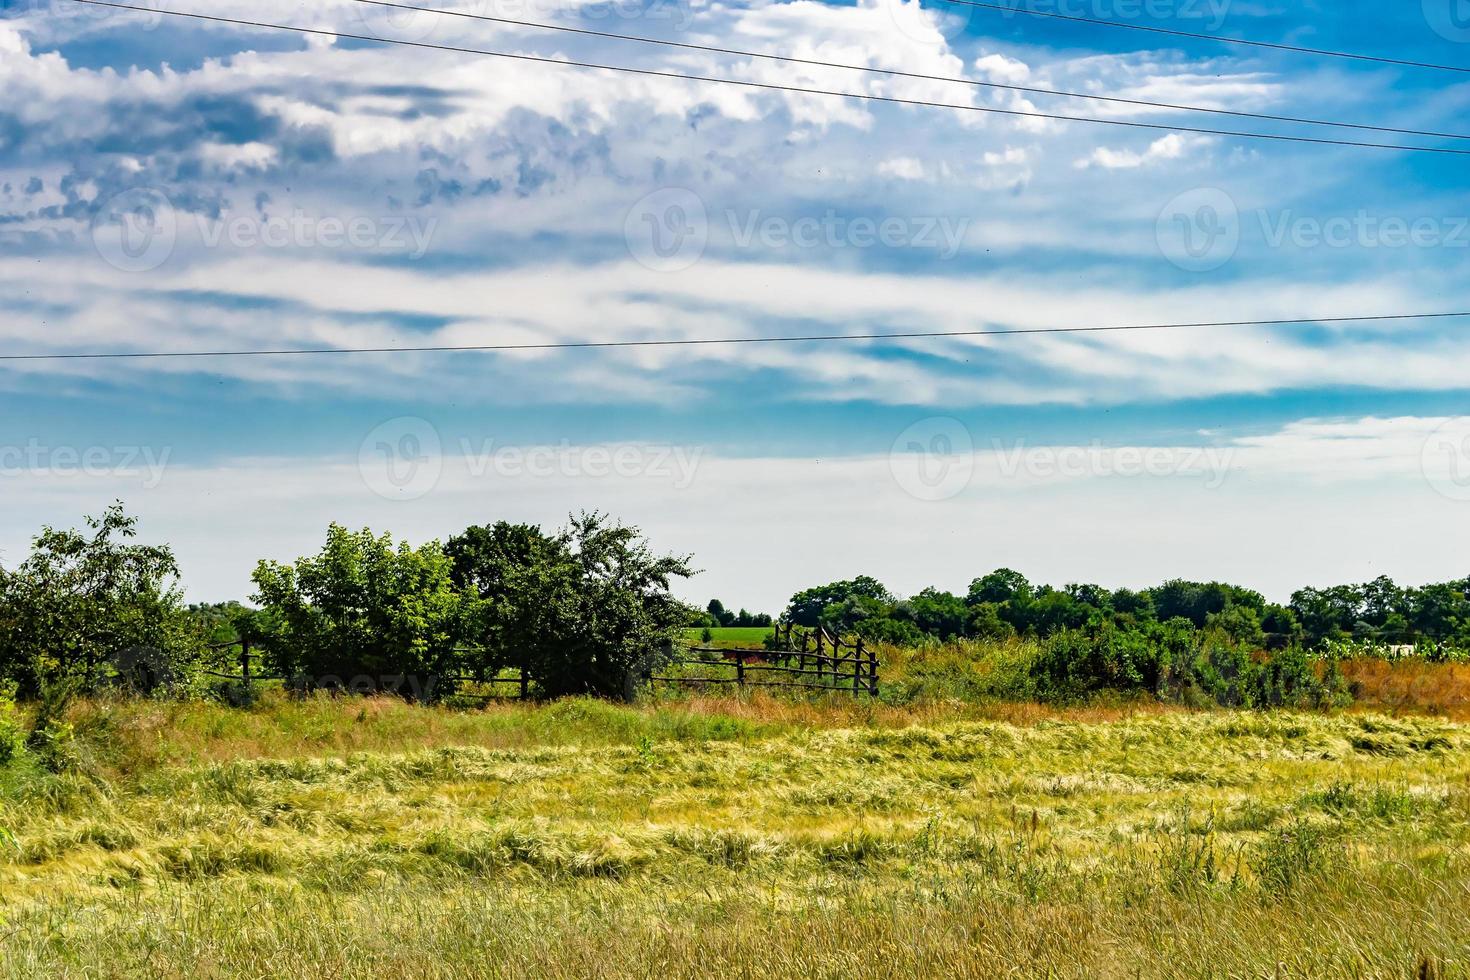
(748, 837)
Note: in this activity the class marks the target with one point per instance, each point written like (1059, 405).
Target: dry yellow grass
(735, 837)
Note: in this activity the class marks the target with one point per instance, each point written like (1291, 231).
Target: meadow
(738, 835)
(730, 636)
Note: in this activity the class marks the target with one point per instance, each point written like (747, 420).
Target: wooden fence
(521, 679)
(811, 659)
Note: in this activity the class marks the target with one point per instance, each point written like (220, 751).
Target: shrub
(1075, 662)
(363, 612)
(12, 733)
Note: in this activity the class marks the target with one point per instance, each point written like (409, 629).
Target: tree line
(586, 607)
(1004, 604)
(577, 609)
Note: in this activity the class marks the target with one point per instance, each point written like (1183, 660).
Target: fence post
(821, 634)
(872, 673)
(525, 684)
(245, 661)
(739, 671)
(857, 668)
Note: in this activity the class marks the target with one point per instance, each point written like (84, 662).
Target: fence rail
(814, 660)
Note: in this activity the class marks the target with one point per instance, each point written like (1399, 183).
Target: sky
(178, 185)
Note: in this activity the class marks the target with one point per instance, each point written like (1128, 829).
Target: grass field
(730, 636)
(739, 837)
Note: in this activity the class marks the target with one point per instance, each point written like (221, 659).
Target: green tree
(722, 616)
(985, 623)
(940, 614)
(582, 611)
(1001, 585)
(807, 608)
(364, 614)
(92, 607)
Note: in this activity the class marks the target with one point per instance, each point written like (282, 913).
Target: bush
(1076, 662)
(363, 614)
(12, 733)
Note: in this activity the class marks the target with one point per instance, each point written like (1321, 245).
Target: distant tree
(1197, 601)
(1048, 612)
(1241, 624)
(721, 615)
(1441, 613)
(882, 629)
(985, 623)
(845, 615)
(807, 608)
(1280, 627)
(1001, 585)
(510, 568)
(1126, 602)
(92, 607)
(1327, 614)
(1381, 599)
(1091, 595)
(939, 614)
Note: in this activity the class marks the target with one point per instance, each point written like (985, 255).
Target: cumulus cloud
(1170, 147)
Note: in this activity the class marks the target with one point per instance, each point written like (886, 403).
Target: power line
(1298, 49)
(953, 79)
(774, 87)
(697, 342)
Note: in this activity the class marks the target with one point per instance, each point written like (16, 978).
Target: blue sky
(168, 184)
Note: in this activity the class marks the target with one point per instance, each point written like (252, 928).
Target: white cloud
(903, 168)
(999, 68)
(1170, 147)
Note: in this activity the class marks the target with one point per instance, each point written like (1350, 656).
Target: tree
(845, 615)
(722, 616)
(1327, 614)
(94, 607)
(364, 614)
(940, 614)
(1197, 601)
(1001, 585)
(581, 611)
(807, 608)
(985, 623)
(511, 568)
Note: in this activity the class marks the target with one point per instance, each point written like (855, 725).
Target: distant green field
(731, 636)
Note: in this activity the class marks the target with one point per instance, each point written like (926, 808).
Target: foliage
(582, 611)
(363, 614)
(717, 615)
(810, 607)
(94, 608)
